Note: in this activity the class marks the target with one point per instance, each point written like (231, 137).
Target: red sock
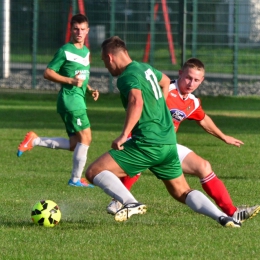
(129, 181)
(216, 189)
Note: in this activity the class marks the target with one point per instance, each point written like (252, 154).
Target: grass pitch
(169, 230)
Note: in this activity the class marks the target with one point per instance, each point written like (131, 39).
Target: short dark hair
(113, 45)
(78, 18)
(193, 63)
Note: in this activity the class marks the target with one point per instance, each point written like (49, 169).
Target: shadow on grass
(113, 121)
(102, 118)
(35, 119)
(234, 125)
(77, 224)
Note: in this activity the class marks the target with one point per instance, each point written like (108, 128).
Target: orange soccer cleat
(84, 182)
(80, 183)
(27, 143)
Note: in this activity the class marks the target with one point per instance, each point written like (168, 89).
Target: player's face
(79, 32)
(189, 80)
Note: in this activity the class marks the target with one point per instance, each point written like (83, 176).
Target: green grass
(169, 230)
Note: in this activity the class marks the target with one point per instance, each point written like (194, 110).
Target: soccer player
(70, 66)
(184, 105)
(153, 143)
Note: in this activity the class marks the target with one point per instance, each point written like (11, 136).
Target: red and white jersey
(181, 109)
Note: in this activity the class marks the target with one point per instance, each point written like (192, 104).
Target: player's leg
(31, 140)
(106, 171)
(130, 181)
(170, 173)
(195, 165)
(114, 204)
(78, 129)
(197, 201)
(127, 180)
(214, 187)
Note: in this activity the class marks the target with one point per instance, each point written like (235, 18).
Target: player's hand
(117, 144)
(95, 94)
(77, 80)
(233, 141)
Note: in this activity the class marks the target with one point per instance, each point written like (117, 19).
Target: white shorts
(183, 151)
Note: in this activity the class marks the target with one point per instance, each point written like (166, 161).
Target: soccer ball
(46, 213)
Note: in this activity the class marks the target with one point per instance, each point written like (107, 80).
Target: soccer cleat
(27, 143)
(128, 210)
(84, 181)
(229, 222)
(245, 212)
(114, 206)
(80, 184)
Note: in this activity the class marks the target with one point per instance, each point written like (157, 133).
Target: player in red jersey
(184, 105)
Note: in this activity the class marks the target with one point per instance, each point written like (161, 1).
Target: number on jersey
(154, 83)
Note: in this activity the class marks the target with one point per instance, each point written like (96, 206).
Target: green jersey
(155, 124)
(69, 61)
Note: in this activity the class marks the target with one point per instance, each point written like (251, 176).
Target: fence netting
(224, 34)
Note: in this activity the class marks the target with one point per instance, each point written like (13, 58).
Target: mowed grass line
(169, 230)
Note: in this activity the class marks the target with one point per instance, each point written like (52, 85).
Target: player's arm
(164, 84)
(133, 114)
(94, 92)
(56, 77)
(209, 126)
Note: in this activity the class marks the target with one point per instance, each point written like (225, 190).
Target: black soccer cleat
(130, 209)
(229, 222)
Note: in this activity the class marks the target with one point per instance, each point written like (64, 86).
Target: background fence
(224, 34)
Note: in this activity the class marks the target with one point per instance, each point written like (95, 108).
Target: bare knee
(178, 188)
(201, 168)
(195, 165)
(182, 197)
(91, 172)
(205, 169)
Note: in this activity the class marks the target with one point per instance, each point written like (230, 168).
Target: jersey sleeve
(57, 61)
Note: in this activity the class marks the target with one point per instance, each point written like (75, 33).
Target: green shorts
(136, 157)
(75, 121)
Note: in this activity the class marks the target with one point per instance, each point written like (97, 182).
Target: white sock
(79, 161)
(54, 143)
(198, 202)
(113, 187)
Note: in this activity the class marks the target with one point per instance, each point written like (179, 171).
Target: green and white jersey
(69, 61)
(155, 124)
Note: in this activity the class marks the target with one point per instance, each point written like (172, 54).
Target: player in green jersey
(70, 67)
(153, 144)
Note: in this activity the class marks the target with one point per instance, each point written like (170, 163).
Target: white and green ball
(46, 213)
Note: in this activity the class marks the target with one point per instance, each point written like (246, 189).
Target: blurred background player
(184, 105)
(71, 67)
(153, 142)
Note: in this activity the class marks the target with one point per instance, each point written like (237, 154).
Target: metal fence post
(34, 42)
(74, 7)
(112, 32)
(235, 49)
(1, 38)
(5, 39)
(194, 28)
(152, 30)
(184, 25)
